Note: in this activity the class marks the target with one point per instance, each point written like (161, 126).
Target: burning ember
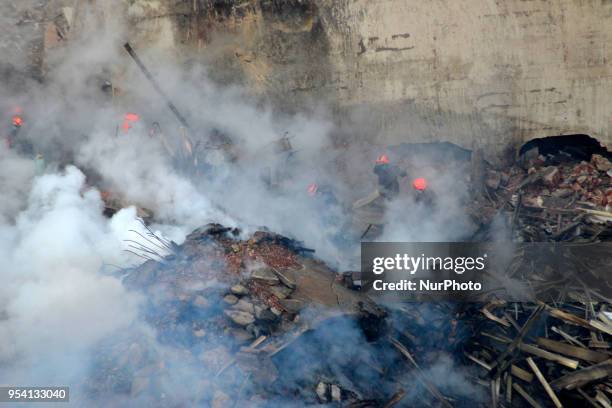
(17, 121)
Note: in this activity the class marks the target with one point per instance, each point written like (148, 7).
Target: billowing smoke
(56, 306)
(54, 303)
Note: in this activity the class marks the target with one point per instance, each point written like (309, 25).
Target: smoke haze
(56, 306)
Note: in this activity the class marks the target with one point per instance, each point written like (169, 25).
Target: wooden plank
(509, 389)
(572, 351)
(506, 358)
(567, 362)
(601, 326)
(584, 376)
(518, 372)
(479, 362)
(544, 383)
(566, 317)
(567, 337)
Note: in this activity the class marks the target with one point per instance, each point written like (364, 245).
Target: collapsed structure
(236, 319)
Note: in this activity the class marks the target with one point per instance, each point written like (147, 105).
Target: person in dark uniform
(15, 140)
(422, 194)
(388, 175)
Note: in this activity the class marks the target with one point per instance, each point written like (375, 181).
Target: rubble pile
(555, 198)
(538, 355)
(257, 320)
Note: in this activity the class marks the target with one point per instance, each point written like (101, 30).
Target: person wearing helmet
(388, 176)
(15, 139)
(423, 195)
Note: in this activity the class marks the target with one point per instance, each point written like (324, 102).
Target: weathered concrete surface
(494, 73)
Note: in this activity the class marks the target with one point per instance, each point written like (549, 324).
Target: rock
(321, 391)
(199, 333)
(255, 330)
(285, 276)
(276, 311)
(201, 302)
(230, 299)
(244, 306)
(265, 275)
(336, 393)
(280, 292)
(267, 315)
(551, 176)
(292, 305)
(239, 317)
(239, 290)
(601, 163)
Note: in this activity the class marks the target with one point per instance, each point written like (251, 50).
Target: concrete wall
(490, 73)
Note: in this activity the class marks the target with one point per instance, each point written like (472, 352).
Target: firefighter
(388, 175)
(13, 140)
(422, 194)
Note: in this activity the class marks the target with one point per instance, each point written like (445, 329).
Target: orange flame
(17, 121)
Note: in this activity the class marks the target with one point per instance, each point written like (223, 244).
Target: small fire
(312, 189)
(419, 184)
(17, 121)
(382, 159)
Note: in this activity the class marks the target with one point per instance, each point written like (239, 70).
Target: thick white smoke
(54, 302)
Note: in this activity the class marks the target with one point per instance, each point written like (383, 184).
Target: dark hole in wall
(575, 147)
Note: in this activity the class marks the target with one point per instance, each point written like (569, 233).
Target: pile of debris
(259, 321)
(537, 355)
(555, 198)
(238, 311)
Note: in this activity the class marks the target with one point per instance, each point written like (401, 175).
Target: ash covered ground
(209, 258)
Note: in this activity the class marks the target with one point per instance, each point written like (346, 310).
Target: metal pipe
(151, 79)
